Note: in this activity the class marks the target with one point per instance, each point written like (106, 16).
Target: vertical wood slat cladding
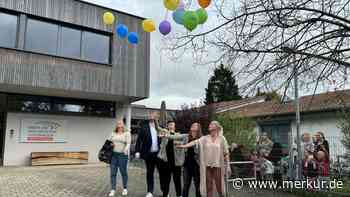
(20, 68)
(128, 76)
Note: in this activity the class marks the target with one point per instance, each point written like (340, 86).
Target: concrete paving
(82, 181)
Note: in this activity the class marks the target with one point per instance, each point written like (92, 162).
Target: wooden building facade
(59, 62)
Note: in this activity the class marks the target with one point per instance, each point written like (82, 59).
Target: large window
(41, 37)
(60, 40)
(63, 106)
(96, 47)
(70, 42)
(8, 30)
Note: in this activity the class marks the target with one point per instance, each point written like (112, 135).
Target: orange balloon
(204, 3)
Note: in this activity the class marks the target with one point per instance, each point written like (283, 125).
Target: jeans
(119, 161)
(191, 172)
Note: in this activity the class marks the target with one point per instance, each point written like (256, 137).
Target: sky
(177, 83)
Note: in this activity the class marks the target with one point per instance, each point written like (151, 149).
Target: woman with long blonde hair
(214, 158)
(121, 139)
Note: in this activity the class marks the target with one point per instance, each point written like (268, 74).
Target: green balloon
(190, 20)
(202, 15)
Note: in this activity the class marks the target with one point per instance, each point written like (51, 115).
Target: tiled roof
(320, 102)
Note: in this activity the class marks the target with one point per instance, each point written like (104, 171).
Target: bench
(58, 158)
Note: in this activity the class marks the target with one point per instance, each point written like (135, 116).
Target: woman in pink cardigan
(214, 158)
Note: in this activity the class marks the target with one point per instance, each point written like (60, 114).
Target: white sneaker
(149, 194)
(125, 192)
(112, 193)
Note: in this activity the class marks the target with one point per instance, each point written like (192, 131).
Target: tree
(270, 96)
(222, 86)
(345, 129)
(190, 114)
(239, 130)
(268, 42)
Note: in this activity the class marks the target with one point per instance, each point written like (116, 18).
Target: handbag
(106, 152)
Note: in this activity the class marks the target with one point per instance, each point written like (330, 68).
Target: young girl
(121, 144)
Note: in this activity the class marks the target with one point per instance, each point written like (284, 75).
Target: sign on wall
(43, 131)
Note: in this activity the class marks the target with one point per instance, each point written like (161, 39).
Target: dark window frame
(13, 13)
(60, 24)
(15, 101)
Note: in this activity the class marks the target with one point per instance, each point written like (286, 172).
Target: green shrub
(239, 130)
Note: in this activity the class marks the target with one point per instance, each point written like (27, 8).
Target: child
(254, 157)
(323, 167)
(310, 168)
(267, 169)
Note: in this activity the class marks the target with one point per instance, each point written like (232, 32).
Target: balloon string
(166, 14)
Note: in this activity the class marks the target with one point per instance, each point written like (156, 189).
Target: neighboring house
(319, 112)
(65, 78)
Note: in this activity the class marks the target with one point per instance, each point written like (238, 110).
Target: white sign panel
(43, 131)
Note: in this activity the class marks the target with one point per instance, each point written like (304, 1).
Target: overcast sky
(174, 82)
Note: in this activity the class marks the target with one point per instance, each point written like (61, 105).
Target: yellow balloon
(108, 18)
(148, 25)
(171, 4)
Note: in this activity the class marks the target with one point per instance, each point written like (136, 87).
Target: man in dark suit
(147, 147)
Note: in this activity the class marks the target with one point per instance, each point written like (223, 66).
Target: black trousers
(168, 171)
(152, 162)
(191, 172)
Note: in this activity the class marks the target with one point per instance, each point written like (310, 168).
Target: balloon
(108, 18)
(122, 30)
(171, 4)
(133, 38)
(148, 25)
(181, 5)
(165, 27)
(177, 16)
(190, 20)
(202, 15)
(204, 3)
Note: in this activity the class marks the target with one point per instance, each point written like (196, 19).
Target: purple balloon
(165, 27)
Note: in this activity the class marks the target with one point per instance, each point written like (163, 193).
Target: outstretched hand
(180, 146)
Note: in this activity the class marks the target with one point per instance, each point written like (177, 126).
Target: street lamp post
(297, 122)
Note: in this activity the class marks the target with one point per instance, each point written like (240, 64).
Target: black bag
(105, 154)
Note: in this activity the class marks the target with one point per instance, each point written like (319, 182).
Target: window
(96, 47)
(70, 42)
(61, 106)
(60, 40)
(8, 30)
(41, 37)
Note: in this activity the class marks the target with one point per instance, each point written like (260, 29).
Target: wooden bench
(58, 158)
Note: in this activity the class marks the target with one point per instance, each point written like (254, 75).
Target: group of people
(271, 162)
(316, 160)
(203, 159)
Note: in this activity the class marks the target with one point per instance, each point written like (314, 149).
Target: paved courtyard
(79, 181)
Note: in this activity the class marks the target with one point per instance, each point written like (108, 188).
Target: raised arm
(177, 136)
(189, 145)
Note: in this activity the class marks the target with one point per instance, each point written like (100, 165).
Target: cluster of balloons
(189, 19)
(121, 29)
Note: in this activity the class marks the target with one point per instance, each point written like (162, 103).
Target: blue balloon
(133, 38)
(122, 30)
(177, 16)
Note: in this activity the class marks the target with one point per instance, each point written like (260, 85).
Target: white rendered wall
(83, 134)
